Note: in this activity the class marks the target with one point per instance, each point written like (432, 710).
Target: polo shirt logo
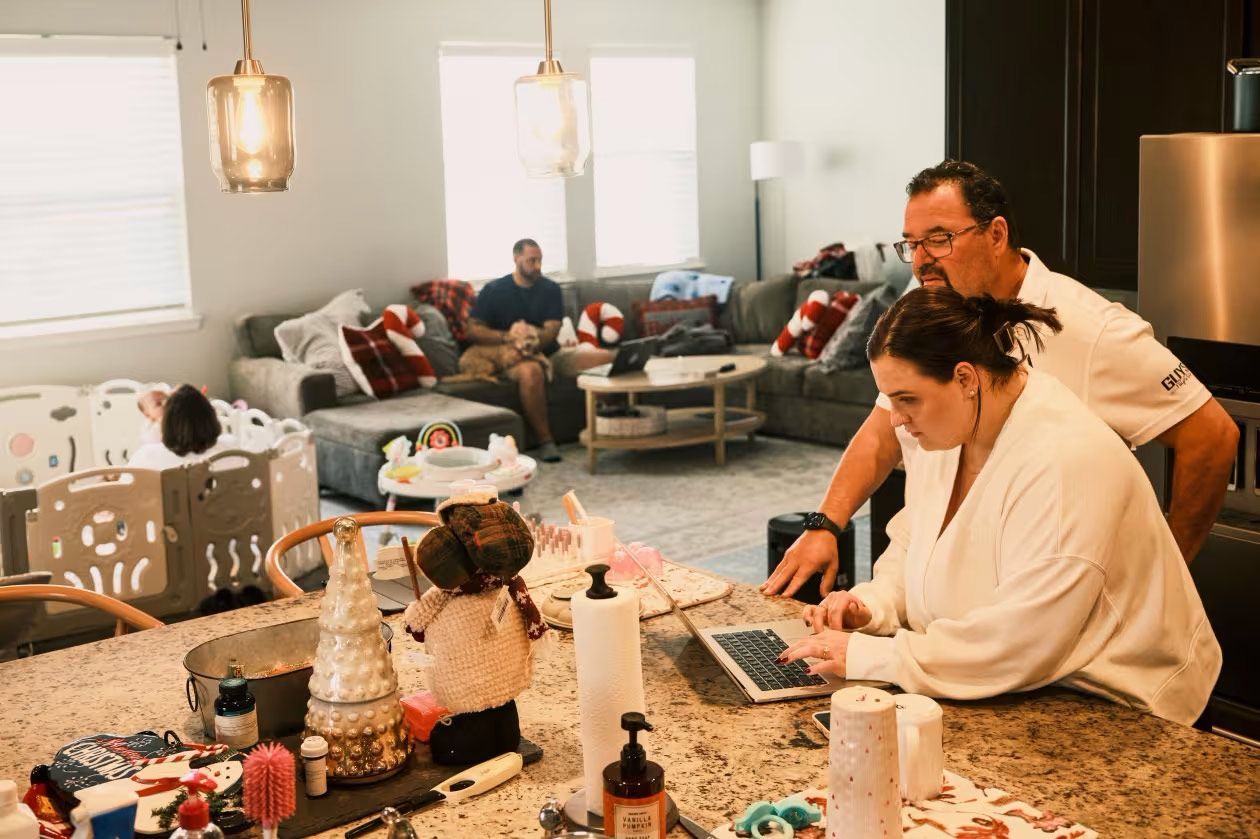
(1176, 378)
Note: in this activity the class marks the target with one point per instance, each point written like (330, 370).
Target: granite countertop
(1108, 767)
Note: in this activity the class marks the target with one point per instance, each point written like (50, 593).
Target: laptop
(747, 653)
(632, 356)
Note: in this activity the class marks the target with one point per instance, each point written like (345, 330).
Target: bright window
(644, 141)
(489, 202)
(91, 179)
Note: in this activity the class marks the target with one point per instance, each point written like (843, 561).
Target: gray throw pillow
(847, 348)
(437, 343)
(314, 338)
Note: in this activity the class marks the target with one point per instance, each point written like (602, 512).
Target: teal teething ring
(781, 828)
(756, 812)
(798, 813)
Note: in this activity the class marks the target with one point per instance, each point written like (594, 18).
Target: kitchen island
(1115, 770)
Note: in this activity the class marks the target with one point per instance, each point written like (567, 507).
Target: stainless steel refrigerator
(1199, 286)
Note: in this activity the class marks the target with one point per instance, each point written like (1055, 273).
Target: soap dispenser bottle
(634, 789)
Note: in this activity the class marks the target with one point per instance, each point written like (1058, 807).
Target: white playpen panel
(295, 498)
(116, 420)
(46, 432)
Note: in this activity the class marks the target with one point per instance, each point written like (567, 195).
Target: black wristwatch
(820, 521)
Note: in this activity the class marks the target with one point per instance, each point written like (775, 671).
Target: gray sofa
(799, 398)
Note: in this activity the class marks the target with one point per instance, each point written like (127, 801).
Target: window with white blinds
(490, 203)
(92, 215)
(644, 142)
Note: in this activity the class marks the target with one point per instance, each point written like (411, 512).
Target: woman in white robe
(1031, 549)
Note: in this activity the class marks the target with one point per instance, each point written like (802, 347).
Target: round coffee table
(684, 426)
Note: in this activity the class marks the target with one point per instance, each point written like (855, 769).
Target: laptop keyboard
(755, 651)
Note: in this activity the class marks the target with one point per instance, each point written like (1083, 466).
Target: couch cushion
(759, 310)
(370, 424)
(783, 375)
(256, 335)
(620, 293)
(857, 385)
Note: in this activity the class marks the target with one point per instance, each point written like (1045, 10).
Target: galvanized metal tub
(281, 697)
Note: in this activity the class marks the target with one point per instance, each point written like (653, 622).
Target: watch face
(815, 521)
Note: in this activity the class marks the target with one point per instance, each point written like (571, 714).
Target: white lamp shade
(775, 159)
(553, 124)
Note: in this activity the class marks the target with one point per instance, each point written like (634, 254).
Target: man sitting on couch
(519, 301)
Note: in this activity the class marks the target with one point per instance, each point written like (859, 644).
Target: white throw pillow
(314, 339)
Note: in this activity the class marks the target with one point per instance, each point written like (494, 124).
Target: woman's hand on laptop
(839, 610)
(830, 647)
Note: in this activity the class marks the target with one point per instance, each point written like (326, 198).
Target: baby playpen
(159, 540)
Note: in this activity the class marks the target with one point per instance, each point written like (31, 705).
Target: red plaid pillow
(657, 316)
(375, 363)
(813, 341)
(453, 298)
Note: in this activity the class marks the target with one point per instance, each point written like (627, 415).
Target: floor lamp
(771, 159)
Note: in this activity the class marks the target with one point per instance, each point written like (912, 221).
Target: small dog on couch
(485, 363)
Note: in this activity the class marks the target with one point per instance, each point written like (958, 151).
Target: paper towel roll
(609, 679)
(863, 800)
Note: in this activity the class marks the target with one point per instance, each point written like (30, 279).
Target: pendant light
(251, 125)
(553, 123)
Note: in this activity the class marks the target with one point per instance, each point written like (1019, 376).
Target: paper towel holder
(576, 814)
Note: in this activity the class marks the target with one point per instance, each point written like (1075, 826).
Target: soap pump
(634, 789)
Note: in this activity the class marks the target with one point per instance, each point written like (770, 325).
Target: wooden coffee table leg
(590, 431)
(719, 423)
(750, 393)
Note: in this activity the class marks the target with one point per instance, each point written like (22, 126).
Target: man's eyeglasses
(937, 245)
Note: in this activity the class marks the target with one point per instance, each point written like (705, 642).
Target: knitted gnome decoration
(478, 625)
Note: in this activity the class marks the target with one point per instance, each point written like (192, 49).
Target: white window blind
(490, 203)
(644, 141)
(91, 179)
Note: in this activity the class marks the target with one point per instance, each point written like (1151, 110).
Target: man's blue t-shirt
(502, 302)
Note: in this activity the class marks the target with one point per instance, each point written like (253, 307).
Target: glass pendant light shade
(553, 118)
(251, 132)
(553, 124)
(251, 125)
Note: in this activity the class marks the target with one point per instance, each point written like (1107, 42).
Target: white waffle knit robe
(1057, 567)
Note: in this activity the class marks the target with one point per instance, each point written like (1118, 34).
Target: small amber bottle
(634, 789)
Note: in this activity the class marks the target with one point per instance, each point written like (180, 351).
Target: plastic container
(16, 819)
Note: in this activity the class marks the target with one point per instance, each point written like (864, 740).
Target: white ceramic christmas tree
(354, 690)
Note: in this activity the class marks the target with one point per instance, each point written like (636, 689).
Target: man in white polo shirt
(959, 232)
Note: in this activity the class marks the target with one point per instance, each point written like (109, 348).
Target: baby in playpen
(151, 405)
(190, 432)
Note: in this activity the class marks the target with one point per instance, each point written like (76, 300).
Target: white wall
(862, 84)
(365, 205)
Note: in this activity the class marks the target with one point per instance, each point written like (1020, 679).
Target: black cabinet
(1052, 96)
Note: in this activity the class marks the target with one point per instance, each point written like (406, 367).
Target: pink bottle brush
(270, 786)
